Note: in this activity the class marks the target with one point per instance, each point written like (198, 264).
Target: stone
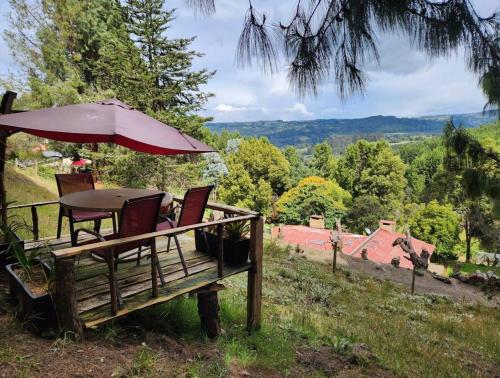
(360, 354)
(364, 254)
(395, 261)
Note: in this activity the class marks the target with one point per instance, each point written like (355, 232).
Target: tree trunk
(467, 240)
(65, 297)
(208, 309)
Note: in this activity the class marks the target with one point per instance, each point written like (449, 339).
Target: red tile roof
(378, 244)
(380, 249)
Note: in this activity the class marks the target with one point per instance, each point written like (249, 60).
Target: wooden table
(107, 199)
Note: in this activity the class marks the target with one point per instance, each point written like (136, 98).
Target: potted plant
(236, 244)
(30, 286)
(8, 239)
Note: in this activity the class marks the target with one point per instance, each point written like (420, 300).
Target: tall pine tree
(173, 87)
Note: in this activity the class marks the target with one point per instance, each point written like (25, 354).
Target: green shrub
(313, 195)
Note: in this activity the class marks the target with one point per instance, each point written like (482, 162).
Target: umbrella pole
(5, 108)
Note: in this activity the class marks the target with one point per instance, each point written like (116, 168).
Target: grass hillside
(315, 324)
(21, 189)
(24, 187)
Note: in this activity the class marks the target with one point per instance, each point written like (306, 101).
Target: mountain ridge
(302, 132)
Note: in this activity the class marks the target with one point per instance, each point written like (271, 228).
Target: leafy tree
(262, 160)
(74, 51)
(215, 168)
(237, 188)
(298, 169)
(437, 224)
(475, 173)
(366, 212)
(422, 170)
(372, 169)
(313, 195)
(139, 170)
(323, 163)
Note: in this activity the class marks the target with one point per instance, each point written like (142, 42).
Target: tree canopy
(313, 195)
(372, 169)
(262, 160)
(437, 224)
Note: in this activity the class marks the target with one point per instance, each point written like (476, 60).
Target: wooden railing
(65, 291)
(34, 214)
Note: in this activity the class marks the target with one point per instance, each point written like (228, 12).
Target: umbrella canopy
(108, 121)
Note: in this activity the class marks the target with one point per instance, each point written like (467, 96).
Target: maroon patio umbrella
(108, 121)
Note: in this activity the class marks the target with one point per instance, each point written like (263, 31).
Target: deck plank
(125, 280)
(93, 318)
(100, 277)
(129, 291)
(134, 281)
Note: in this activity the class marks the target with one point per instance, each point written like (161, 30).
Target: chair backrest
(74, 182)
(193, 205)
(138, 216)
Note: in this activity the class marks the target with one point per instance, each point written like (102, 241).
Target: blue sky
(406, 83)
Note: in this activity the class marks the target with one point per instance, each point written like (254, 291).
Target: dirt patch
(457, 290)
(335, 364)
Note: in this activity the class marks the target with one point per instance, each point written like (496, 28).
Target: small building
(378, 245)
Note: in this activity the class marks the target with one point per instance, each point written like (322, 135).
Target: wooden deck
(82, 294)
(92, 284)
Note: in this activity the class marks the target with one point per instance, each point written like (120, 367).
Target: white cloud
(301, 109)
(405, 83)
(224, 108)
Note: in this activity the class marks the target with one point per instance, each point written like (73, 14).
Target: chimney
(317, 221)
(387, 225)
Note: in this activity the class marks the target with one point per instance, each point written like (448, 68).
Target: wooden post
(413, 281)
(335, 246)
(220, 250)
(208, 309)
(154, 265)
(34, 221)
(5, 108)
(65, 297)
(254, 291)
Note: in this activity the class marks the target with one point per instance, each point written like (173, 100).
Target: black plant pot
(235, 251)
(7, 257)
(38, 310)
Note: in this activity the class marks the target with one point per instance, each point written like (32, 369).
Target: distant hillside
(282, 133)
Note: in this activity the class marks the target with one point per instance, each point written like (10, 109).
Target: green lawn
(306, 307)
(471, 268)
(312, 319)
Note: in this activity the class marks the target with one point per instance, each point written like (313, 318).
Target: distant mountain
(282, 133)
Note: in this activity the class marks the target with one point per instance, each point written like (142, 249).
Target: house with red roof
(378, 245)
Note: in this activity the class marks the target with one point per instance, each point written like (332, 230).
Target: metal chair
(192, 210)
(138, 216)
(78, 182)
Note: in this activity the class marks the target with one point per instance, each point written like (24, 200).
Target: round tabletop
(107, 199)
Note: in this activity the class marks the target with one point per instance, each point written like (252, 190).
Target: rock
(395, 261)
(364, 254)
(490, 274)
(361, 354)
(441, 278)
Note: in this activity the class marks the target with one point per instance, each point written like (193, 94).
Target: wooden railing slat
(74, 251)
(221, 207)
(36, 204)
